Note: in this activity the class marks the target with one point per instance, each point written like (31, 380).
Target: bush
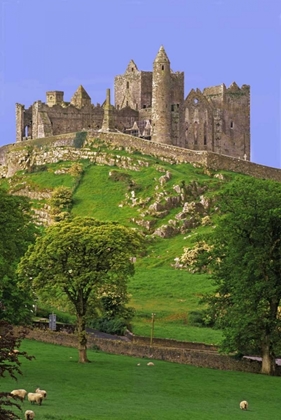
(110, 326)
(200, 319)
(117, 176)
(80, 139)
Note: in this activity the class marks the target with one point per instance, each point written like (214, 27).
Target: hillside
(171, 202)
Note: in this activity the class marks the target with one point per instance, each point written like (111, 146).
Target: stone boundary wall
(198, 358)
(16, 156)
(180, 155)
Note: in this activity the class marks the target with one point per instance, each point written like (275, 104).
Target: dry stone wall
(176, 352)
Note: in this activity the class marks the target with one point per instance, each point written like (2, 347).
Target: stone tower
(54, 97)
(161, 98)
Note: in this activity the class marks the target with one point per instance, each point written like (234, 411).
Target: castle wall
(236, 138)
(128, 90)
(125, 118)
(36, 127)
(146, 89)
(215, 94)
(177, 109)
(199, 126)
(231, 119)
(61, 119)
(19, 122)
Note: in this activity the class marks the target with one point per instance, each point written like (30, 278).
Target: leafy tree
(61, 202)
(246, 264)
(10, 365)
(17, 232)
(80, 256)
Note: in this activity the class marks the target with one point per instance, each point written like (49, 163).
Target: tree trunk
(268, 361)
(82, 339)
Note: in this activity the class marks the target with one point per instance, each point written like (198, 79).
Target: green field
(115, 387)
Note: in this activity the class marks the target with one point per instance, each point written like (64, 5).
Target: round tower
(161, 98)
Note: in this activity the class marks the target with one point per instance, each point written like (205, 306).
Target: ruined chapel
(150, 105)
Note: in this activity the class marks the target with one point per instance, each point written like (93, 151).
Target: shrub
(80, 139)
(110, 326)
(200, 319)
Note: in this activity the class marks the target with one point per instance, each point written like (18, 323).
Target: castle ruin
(150, 105)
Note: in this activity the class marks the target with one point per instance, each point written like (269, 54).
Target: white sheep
(35, 398)
(29, 415)
(150, 364)
(15, 351)
(20, 393)
(244, 405)
(41, 391)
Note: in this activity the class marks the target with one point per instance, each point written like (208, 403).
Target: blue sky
(60, 44)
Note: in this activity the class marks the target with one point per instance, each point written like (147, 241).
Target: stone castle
(150, 105)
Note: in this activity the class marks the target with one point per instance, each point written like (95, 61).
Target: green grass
(157, 287)
(103, 197)
(171, 295)
(114, 387)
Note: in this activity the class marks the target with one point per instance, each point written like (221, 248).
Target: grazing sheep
(15, 351)
(244, 405)
(35, 398)
(150, 364)
(29, 415)
(20, 393)
(41, 391)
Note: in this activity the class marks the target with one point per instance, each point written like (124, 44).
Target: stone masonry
(150, 105)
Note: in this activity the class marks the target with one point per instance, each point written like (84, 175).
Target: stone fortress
(150, 105)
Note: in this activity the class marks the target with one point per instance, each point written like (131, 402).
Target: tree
(246, 269)
(17, 232)
(80, 256)
(10, 365)
(60, 203)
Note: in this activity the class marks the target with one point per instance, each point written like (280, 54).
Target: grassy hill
(171, 203)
